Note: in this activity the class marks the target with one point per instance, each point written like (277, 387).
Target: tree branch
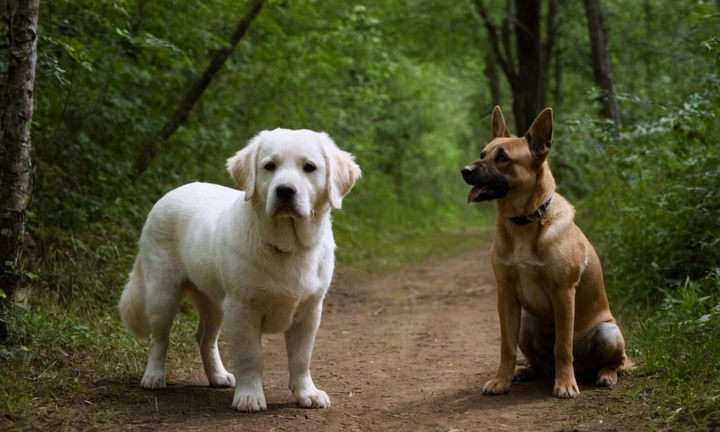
(602, 66)
(507, 32)
(549, 45)
(505, 61)
(192, 97)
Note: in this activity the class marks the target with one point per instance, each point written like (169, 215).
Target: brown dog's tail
(132, 304)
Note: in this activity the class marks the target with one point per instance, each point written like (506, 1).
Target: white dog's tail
(132, 304)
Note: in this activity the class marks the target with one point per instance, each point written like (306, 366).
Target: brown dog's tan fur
(550, 293)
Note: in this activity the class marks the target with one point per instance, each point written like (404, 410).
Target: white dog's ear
(242, 166)
(342, 172)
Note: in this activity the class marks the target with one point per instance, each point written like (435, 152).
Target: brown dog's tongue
(474, 193)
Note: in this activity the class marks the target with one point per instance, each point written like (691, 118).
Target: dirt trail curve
(408, 351)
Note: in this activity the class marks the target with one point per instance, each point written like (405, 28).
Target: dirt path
(408, 351)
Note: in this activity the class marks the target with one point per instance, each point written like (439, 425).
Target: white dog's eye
(270, 166)
(308, 168)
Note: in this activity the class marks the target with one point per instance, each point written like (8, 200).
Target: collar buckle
(524, 220)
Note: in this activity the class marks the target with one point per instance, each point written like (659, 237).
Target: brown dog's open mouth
(487, 192)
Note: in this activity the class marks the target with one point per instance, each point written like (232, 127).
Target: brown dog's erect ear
(342, 171)
(498, 128)
(540, 135)
(242, 166)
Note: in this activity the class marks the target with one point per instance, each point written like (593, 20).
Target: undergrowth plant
(652, 214)
(680, 354)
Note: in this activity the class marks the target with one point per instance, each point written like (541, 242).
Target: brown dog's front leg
(564, 313)
(509, 311)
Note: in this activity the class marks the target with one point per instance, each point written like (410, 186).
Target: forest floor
(405, 351)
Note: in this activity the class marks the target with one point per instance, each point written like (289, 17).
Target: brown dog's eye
(308, 168)
(270, 166)
(502, 158)
(482, 155)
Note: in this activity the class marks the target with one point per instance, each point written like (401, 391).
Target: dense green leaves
(399, 84)
(659, 195)
(117, 69)
(651, 205)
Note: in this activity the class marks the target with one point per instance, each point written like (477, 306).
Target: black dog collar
(524, 220)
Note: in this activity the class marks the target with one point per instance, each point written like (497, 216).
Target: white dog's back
(166, 236)
(197, 206)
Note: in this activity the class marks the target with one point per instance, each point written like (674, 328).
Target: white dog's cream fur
(263, 258)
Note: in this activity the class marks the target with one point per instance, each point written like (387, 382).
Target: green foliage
(654, 221)
(650, 207)
(658, 205)
(680, 354)
(113, 72)
(120, 74)
(399, 84)
(56, 360)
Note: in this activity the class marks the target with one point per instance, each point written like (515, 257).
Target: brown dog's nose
(467, 174)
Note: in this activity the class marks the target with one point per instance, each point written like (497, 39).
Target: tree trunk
(191, 98)
(557, 70)
(20, 21)
(526, 64)
(491, 72)
(527, 101)
(602, 68)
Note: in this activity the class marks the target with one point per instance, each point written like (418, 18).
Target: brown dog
(551, 297)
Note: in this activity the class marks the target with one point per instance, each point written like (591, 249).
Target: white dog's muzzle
(286, 200)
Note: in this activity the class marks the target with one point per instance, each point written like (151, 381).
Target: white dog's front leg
(154, 377)
(299, 340)
(243, 328)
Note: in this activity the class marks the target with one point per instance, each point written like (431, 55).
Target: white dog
(264, 258)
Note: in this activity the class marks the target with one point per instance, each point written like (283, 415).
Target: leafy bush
(680, 354)
(655, 203)
(652, 212)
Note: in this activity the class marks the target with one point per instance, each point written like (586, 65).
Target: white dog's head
(293, 172)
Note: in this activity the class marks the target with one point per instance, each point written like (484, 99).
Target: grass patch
(652, 215)
(58, 366)
(679, 356)
(372, 249)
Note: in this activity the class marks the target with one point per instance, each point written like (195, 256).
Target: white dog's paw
(222, 380)
(153, 381)
(249, 401)
(312, 399)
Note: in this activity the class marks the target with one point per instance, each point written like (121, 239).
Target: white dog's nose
(285, 192)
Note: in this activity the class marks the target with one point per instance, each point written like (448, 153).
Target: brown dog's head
(509, 165)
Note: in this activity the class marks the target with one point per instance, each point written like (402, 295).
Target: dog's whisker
(259, 202)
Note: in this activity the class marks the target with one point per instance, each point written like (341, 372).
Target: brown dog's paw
(496, 386)
(606, 378)
(523, 373)
(566, 390)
